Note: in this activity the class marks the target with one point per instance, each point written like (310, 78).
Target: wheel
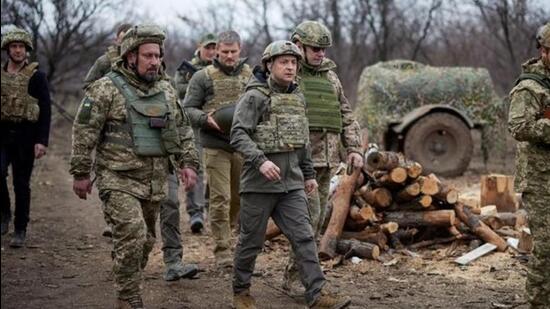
(441, 142)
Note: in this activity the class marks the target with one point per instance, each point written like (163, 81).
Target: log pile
(396, 206)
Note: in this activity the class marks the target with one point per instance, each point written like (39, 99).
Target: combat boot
(244, 300)
(293, 287)
(18, 239)
(330, 301)
(176, 271)
(133, 302)
(5, 224)
(197, 223)
(107, 231)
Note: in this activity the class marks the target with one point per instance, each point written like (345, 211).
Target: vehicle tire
(441, 143)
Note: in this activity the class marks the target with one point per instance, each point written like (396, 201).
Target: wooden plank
(475, 254)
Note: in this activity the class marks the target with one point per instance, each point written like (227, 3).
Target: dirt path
(67, 263)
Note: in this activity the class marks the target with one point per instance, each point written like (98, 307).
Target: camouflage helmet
(543, 36)
(312, 33)
(17, 35)
(141, 34)
(280, 48)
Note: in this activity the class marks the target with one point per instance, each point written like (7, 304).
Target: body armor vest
(150, 122)
(17, 104)
(284, 127)
(227, 89)
(323, 107)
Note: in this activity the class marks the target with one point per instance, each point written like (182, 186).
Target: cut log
(443, 218)
(475, 254)
(489, 210)
(379, 197)
(405, 234)
(470, 202)
(423, 202)
(408, 193)
(525, 241)
(378, 238)
(498, 220)
(272, 230)
(365, 213)
(360, 249)
(340, 211)
(478, 227)
(498, 190)
(437, 241)
(428, 185)
(396, 176)
(382, 160)
(414, 169)
(446, 194)
(389, 227)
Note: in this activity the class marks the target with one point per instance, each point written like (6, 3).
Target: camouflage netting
(389, 90)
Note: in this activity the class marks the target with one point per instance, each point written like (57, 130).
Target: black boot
(18, 239)
(197, 223)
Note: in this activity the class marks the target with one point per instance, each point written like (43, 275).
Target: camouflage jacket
(528, 125)
(201, 91)
(117, 167)
(326, 146)
(185, 71)
(295, 165)
(102, 65)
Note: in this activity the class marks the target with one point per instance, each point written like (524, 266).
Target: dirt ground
(66, 263)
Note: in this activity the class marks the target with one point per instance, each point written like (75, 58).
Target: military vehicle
(428, 112)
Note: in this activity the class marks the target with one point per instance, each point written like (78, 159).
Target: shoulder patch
(85, 110)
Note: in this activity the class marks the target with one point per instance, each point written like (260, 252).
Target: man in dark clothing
(24, 128)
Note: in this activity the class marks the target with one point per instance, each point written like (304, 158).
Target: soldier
(269, 130)
(211, 90)
(24, 128)
(529, 123)
(331, 123)
(133, 120)
(205, 53)
(103, 64)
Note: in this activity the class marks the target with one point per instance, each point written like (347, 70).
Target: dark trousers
(290, 213)
(18, 153)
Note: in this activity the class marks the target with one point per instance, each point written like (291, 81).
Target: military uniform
(24, 122)
(331, 124)
(139, 133)
(211, 89)
(102, 65)
(527, 123)
(285, 200)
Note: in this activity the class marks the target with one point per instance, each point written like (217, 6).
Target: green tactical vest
(323, 107)
(17, 104)
(150, 122)
(285, 127)
(227, 89)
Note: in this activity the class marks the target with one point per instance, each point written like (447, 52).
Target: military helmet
(312, 33)
(17, 35)
(141, 34)
(280, 48)
(543, 36)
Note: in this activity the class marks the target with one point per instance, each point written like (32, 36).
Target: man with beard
(103, 64)
(133, 120)
(211, 90)
(529, 124)
(24, 128)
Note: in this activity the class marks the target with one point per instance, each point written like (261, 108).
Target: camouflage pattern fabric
(389, 90)
(312, 33)
(325, 146)
(183, 74)
(526, 122)
(133, 222)
(17, 35)
(117, 166)
(227, 88)
(17, 103)
(102, 65)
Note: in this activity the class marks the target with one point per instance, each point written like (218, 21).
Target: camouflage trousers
(223, 171)
(537, 205)
(133, 222)
(317, 202)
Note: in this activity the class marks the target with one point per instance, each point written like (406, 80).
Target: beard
(149, 76)
(17, 60)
